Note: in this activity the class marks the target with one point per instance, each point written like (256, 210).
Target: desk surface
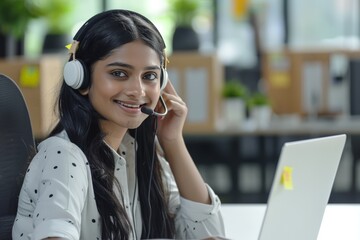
(340, 221)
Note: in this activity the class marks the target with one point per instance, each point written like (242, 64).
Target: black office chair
(16, 146)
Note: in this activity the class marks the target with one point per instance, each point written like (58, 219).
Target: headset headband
(76, 73)
(89, 23)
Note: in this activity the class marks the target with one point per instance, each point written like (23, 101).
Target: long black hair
(81, 122)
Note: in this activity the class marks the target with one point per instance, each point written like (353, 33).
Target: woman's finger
(169, 88)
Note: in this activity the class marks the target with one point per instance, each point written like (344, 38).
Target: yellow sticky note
(280, 79)
(286, 178)
(29, 76)
(240, 8)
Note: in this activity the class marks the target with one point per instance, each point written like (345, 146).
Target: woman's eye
(150, 76)
(118, 74)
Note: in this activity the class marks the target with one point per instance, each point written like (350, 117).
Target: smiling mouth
(127, 105)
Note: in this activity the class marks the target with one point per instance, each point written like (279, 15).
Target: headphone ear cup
(164, 79)
(76, 74)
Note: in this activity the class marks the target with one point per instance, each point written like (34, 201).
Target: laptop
(301, 188)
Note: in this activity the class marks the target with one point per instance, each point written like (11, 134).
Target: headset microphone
(151, 112)
(147, 111)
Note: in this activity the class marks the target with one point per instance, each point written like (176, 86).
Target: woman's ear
(85, 91)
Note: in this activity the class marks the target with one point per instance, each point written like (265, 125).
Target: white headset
(76, 74)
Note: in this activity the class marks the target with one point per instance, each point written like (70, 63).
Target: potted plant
(258, 99)
(183, 12)
(260, 109)
(234, 95)
(234, 89)
(14, 18)
(56, 14)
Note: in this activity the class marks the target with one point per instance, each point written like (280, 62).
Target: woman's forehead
(134, 53)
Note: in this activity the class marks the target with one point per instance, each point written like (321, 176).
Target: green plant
(56, 14)
(183, 11)
(15, 16)
(258, 99)
(234, 89)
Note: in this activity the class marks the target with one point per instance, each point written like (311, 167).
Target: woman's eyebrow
(120, 64)
(155, 67)
(125, 65)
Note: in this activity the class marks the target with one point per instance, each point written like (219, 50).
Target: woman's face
(122, 83)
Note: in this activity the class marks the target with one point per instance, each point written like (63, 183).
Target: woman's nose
(135, 87)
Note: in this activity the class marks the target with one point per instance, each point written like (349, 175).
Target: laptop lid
(301, 188)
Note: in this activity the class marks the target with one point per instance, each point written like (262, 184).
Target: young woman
(102, 173)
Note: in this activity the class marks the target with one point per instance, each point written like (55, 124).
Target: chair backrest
(16, 146)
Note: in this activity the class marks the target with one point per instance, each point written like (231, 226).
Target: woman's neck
(113, 136)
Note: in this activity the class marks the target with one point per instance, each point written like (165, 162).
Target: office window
(34, 38)
(158, 12)
(324, 23)
(155, 10)
(237, 40)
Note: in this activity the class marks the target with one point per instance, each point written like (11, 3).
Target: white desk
(340, 221)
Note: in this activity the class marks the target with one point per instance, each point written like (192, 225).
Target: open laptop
(301, 188)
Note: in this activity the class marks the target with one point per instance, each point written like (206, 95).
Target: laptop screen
(301, 188)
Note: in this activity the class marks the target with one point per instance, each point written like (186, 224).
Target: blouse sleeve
(193, 220)
(58, 191)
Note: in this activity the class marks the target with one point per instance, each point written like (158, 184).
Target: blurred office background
(299, 59)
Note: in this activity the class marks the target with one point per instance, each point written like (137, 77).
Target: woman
(101, 174)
